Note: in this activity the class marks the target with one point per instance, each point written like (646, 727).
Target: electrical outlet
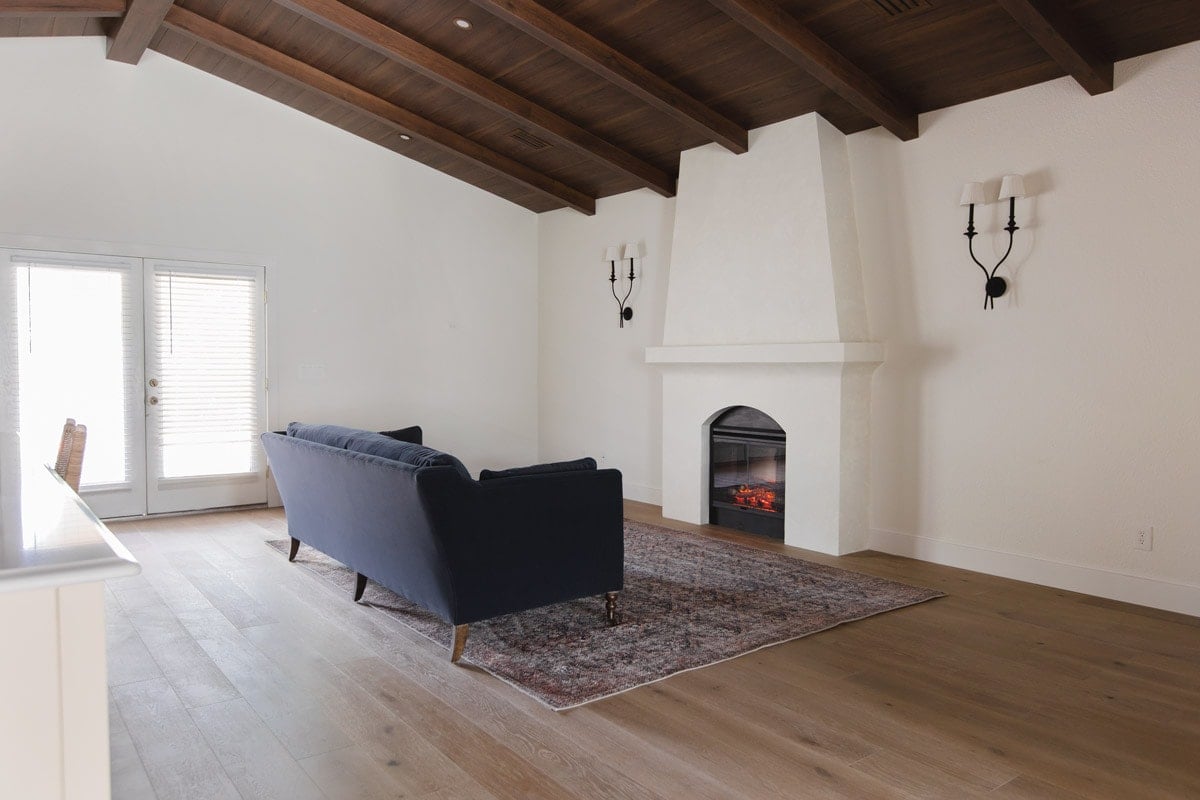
(1143, 539)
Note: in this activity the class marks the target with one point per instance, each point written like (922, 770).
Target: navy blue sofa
(413, 520)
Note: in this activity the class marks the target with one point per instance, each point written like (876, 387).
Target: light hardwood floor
(237, 675)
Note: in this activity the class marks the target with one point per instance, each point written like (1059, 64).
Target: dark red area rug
(689, 601)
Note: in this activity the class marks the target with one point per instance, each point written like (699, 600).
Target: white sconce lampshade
(612, 254)
(972, 194)
(1012, 186)
(632, 250)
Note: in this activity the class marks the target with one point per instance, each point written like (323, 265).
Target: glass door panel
(205, 385)
(78, 339)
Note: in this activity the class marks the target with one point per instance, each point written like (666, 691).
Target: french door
(164, 361)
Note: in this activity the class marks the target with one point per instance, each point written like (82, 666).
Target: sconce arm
(1011, 231)
(971, 250)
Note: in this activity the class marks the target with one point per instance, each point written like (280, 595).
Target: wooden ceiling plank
(244, 48)
(617, 68)
(1050, 25)
(397, 47)
(133, 33)
(789, 36)
(62, 8)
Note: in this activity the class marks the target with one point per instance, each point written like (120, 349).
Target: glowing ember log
(759, 497)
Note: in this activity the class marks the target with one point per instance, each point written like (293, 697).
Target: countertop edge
(119, 563)
(48, 577)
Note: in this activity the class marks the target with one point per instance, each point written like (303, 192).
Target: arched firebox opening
(747, 464)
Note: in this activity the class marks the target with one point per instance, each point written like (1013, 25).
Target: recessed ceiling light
(406, 137)
(463, 23)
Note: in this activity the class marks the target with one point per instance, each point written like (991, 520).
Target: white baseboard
(1183, 598)
(642, 494)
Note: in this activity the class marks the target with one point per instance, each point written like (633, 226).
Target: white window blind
(205, 353)
(78, 355)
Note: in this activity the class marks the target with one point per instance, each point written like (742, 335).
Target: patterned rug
(689, 601)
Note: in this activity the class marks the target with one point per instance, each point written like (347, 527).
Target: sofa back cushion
(539, 469)
(340, 436)
(376, 444)
(410, 434)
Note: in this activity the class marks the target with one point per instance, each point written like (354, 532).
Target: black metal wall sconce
(1011, 187)
(612, 255)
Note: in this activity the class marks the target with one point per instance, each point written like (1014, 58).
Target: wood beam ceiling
(392, 44)
(1051, 26)
(132, 35)
(785, 33)
(62, 8)
(234, 44)
(588, 51)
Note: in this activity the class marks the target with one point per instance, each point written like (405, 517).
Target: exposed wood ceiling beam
(392, 44)
(61, 8)
(400, 119)
(782, 31)
(133, 33)
(588, 51)
(1052, 28)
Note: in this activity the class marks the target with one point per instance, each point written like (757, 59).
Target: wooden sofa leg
(295, 547)
(610, 608)
(460, 641)
(360, 586)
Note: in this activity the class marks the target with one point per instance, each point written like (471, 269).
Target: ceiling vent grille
(529, 140)
(894, 8)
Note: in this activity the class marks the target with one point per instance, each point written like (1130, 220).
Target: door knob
(154, 382)
(153, 401)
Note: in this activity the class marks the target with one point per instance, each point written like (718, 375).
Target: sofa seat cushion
(375, 444)
(539, 469)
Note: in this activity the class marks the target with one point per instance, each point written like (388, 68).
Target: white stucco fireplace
(776, 322)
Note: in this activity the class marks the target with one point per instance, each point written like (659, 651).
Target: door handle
(152, 400)
(153, 382)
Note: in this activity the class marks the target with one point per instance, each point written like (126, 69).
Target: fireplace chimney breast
(765, 308)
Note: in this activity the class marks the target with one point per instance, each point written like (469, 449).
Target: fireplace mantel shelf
(796, 353)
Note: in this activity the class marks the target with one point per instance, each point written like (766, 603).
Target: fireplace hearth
(747, 461)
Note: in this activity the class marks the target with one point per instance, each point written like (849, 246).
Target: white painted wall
(1028, 441)
(1056, 425)
(597, 396)
(398, 295)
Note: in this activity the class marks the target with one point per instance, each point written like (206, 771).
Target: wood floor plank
(1025, 788)
(255, 761)
(403, 751)
(917, 779)
(561, 754)
(761, 765)
(177, 759)
(608, 767)
(353, 773)
(129, 778)
(1001, 690)
(488, 761)
(823, 715)
(237, 606)
(192, 674)
(269, 580)
(282, 698)
(128, 659)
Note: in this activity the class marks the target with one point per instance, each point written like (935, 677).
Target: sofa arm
(521, 542)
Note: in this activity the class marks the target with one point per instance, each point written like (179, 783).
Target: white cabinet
(54, 558)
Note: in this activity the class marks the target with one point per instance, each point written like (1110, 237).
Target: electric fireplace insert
(747, 460)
